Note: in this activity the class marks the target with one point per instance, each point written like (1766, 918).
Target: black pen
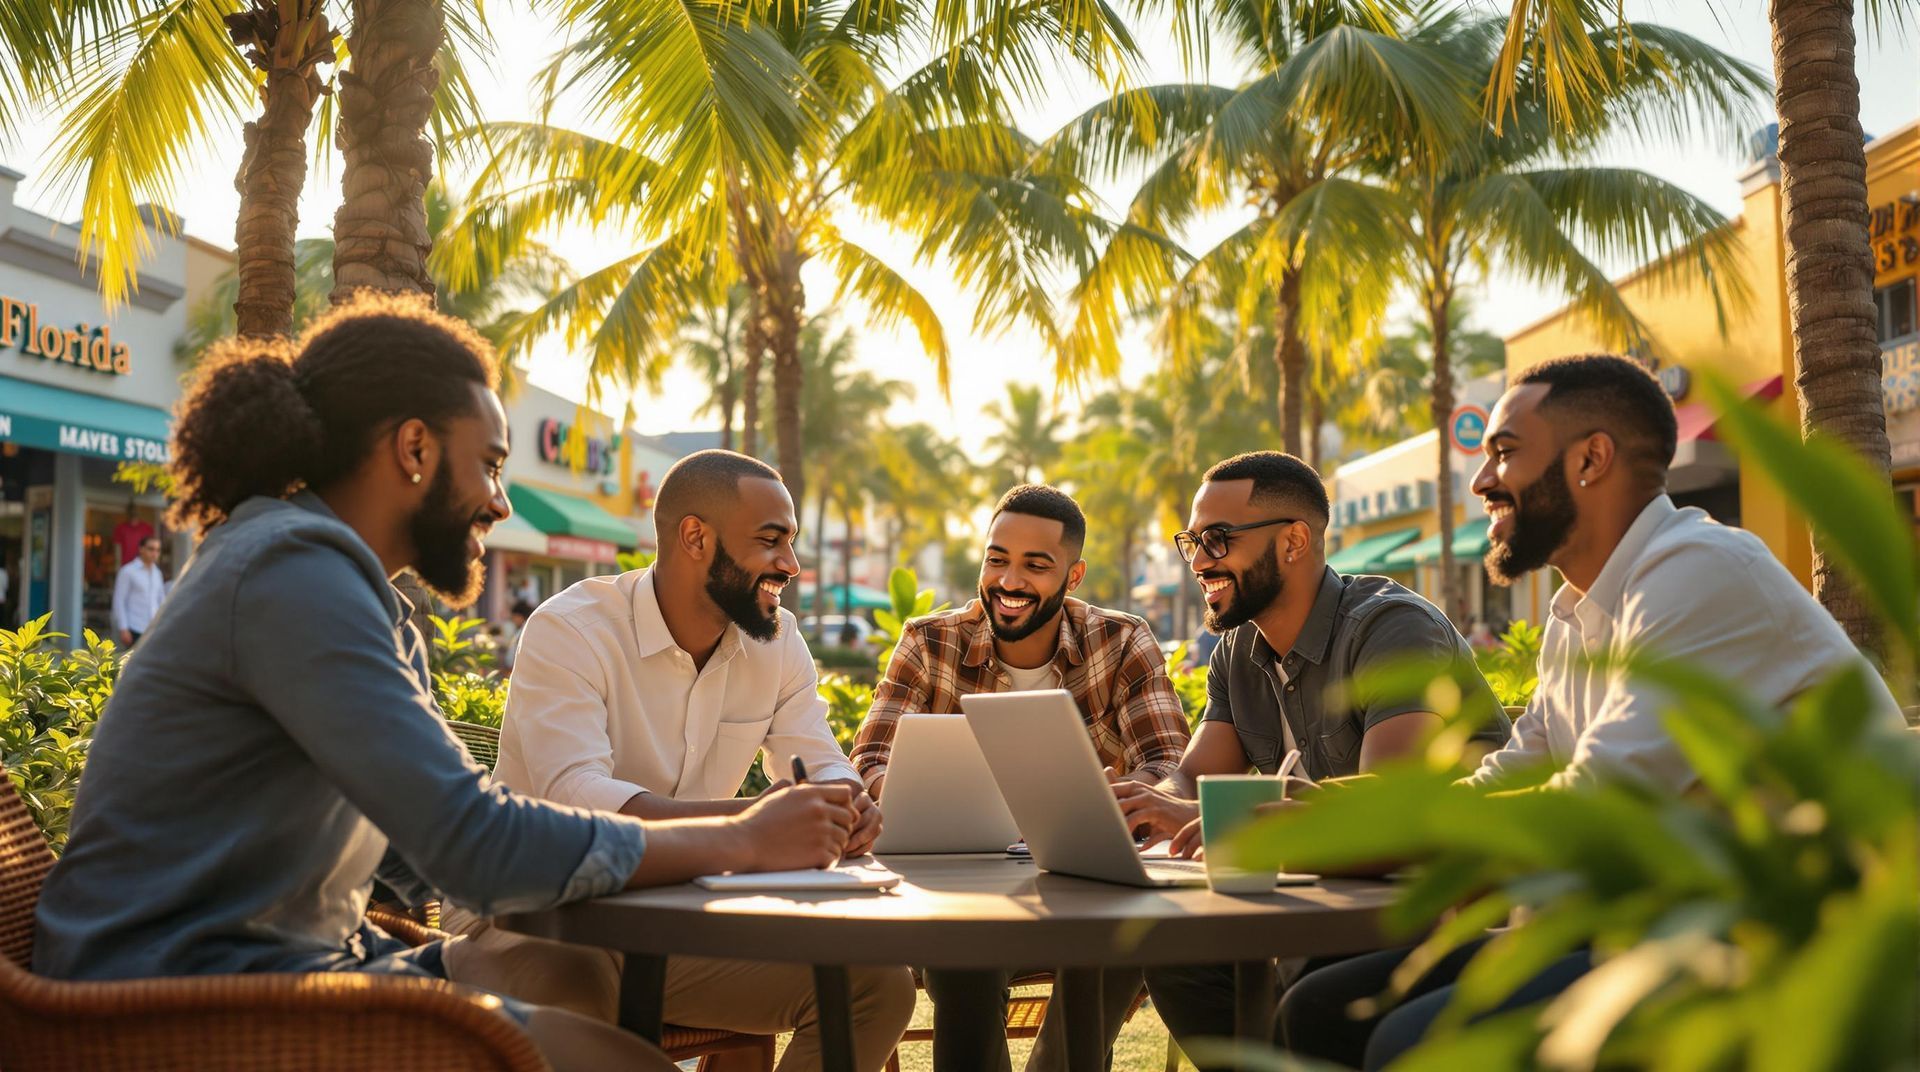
(799, 772)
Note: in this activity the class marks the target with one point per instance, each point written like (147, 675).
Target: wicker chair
(680, 1043)
(301, 1022)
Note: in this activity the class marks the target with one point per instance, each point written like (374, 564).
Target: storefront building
(82, 391)
(582, 493)
(1686, 342)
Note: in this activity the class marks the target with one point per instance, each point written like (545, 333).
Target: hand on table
(866, 825)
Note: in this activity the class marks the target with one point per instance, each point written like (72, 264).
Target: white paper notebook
(864, 877)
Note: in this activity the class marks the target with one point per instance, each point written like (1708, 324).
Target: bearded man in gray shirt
(277, 746)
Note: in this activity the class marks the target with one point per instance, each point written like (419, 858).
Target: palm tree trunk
(1290, 355)
(273, 168)
(1126, 569)
(380, 232)
(728, 390)
(1316, 419)
(846, 561)
(1829, 261)
(784, 299)
(751, 369)
(1442, 419)
(820, 571)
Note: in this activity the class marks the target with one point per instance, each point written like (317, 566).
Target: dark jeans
(970, 1020)
(1197, 1001)
(1315, 1022)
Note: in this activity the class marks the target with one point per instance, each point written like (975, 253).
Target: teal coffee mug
(1228, 802)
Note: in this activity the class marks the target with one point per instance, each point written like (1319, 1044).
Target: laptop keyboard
(1173, 868)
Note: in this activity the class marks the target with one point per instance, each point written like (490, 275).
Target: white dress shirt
(1679, 585)
(604, 705)
(138, 590)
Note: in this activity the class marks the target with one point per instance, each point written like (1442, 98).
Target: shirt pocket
(734, 746)
(1263, 752)
(1341, 747)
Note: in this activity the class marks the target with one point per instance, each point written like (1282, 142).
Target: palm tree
(486, 298)
(1331, 85)
(726, 178)
(1102, 467)
(1823, 195)
(924, 480)
(1511, 196)
(712, 340)
(1027, 441)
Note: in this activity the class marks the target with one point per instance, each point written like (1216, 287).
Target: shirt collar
(650, 628)
(1316, 635)
(1602, 599)
(1072, 647)
(399, 607)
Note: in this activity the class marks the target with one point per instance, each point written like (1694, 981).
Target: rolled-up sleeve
(799, 726)
(904, 687)
(557, 717)
(314, 645)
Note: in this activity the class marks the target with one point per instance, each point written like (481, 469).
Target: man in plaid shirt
(1021, 634)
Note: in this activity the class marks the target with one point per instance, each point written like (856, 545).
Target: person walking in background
(137, 593)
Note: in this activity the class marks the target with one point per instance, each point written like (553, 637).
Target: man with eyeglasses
(1292, 629)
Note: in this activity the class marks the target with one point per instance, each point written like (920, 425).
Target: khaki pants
(731, 995)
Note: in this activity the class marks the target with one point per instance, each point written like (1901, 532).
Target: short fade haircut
(1278, 480)
(1045, 500)
(1602, 392)
(697, 482)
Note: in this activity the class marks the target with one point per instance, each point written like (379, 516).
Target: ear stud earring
(1583, 483)
(416, 479)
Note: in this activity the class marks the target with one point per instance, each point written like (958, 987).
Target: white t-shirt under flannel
(1679, 585)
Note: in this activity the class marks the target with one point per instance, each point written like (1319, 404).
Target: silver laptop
(1038, 750)
(939, 795)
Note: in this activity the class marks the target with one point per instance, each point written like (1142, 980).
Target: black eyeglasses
(1214, 538)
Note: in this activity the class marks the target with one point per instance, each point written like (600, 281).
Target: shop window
(1894, 311)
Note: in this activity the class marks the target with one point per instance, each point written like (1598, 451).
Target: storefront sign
(86, 347)
(1894, 229)
(1900, 377)
(579, 549)
(78, 439)
(1468, 428)
(564, 445)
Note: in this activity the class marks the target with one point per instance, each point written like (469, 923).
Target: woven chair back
(25, 860)
(483, 742)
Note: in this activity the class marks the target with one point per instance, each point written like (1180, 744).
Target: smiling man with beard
(279, 747)
(1023, 632)
(651, 693)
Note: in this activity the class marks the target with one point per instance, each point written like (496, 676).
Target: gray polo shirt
(274, 739)
(1358, 627)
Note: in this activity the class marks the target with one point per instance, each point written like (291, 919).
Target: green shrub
(460, 646)
(1188, 684)
(1513, 668)
(474, 698)
(51, 699)
(909, 601)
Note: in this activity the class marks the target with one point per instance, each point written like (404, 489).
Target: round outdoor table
(971, 912)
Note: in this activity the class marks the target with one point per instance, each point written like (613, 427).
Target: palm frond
(892, 299)
(150, 95)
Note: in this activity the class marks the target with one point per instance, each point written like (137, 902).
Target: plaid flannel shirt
(1107, 660)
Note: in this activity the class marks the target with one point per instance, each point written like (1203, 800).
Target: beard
(440, 530)
(737, 593)
(1543, 515)
(1042, 615)
(1254, 590)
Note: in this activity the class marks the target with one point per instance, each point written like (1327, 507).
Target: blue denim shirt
(271, 746)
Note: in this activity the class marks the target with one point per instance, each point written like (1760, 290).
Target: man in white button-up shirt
(651, 693)
(138, 590)
(1575, 478)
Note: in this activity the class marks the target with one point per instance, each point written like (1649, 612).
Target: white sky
(1890, 97)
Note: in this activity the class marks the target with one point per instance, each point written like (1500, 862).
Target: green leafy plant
(1512, 669)
(1767, 920)
(51, 699)
(474, 698)
(460, 646)
(1188, 684)
(628, 561)
(909, 601)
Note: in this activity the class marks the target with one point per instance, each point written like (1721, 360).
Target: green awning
(517, 534)
(1369, 555)
(1469, 542)
(557, 513)
(862, 597)
(74, 422)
